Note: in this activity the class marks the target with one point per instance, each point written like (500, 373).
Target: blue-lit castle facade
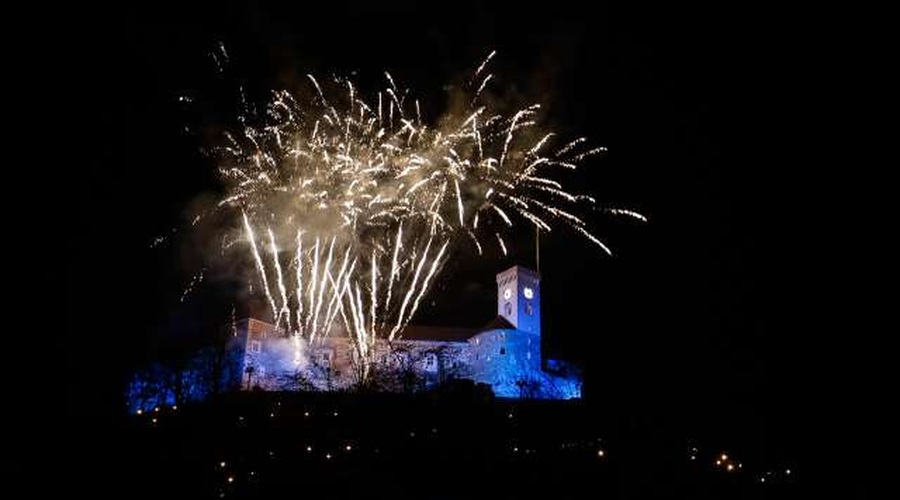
(504, 355)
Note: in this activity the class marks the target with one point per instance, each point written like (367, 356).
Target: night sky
(696, 317)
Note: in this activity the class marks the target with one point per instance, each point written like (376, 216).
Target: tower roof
(519, 271)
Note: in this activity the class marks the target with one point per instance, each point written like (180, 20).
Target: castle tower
(519, 298)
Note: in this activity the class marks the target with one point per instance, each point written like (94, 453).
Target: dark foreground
(267, 445)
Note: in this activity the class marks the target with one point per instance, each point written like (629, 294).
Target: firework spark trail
(357, 330)
(502, 214)
(411, 289)
(299, 293)
(509, 133)
(434, 266)
(364, 335)
(484, 63)
(195, 280)
(475, 241)
(481, 87)
(373, 291)
(336, 292)
(322, 285)
(315, 274)
(459, 202)
(259, 263)
(502, 244)
(394, 270)
(630, 213)
(284, 311)
(593, 239)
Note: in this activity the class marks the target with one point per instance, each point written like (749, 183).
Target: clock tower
(519, 298)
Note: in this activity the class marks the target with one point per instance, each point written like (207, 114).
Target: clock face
(507, 294)
(529, 293)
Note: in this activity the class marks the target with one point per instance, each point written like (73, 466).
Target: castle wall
(507, 360)
(403, 365)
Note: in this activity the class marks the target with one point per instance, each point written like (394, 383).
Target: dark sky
(697, 314)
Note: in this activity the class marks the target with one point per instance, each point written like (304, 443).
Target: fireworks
(349, 205)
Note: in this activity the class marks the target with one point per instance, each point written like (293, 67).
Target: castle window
(528, 309)
(502, 351)
(255, 346)
(431, 362)
(508, 309)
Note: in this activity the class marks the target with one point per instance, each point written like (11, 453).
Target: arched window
(508, 309)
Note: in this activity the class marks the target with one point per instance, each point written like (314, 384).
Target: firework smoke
(349, 205)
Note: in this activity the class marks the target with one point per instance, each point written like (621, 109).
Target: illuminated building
(505, 354)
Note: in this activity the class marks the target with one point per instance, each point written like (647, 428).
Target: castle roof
(437, 333)
(498, 323)
(452, 334)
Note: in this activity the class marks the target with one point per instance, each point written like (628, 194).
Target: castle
(505, 354)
